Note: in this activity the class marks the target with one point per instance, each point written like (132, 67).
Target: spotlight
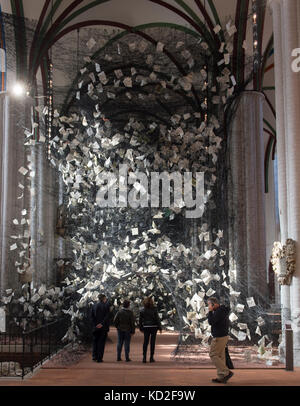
(19, 89)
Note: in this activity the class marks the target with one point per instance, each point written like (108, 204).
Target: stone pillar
(61, 249)
(33, 215)
(40, 198)
(4, 139)
(51, 202)
(13, 155)
(290, 27)
(247, 237)
(44, 202)
(42, 194)
(280, 81)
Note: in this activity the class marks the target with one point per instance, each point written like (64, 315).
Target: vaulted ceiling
(198, 15)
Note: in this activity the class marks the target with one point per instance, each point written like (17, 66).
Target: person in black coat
(125, 323)
(219, 321)
(149, 323)
(100, 315)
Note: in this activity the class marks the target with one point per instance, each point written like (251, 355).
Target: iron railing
(22, 351)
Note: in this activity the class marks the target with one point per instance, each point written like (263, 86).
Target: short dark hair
(102, 297)
(126, 303)
(213, 300)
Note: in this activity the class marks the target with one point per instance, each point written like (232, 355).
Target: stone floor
(78, 369)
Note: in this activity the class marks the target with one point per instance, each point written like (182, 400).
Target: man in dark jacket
(100, 320)
(125, 323)
(219, 321)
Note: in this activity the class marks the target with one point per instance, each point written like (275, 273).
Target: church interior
(148, 148)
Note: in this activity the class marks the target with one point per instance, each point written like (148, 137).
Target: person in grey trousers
(125, 323)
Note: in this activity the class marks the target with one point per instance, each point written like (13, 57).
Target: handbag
(229, 363)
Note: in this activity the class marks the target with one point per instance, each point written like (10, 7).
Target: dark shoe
(119, 359)
(128, 360)
(94, 359)
(228, 376)
(144, 360)
(217, 380)
(99, 360)
(152, 359)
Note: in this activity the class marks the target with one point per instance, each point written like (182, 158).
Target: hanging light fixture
(49, 99)
(49, 104)
(206, 90)
(19, 89)
(256, 58)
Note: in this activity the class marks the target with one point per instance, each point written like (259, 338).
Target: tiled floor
(164, 372)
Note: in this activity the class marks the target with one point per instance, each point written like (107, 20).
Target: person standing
(125, 323)
(149, 323)
(100, 315)
(219, 321)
